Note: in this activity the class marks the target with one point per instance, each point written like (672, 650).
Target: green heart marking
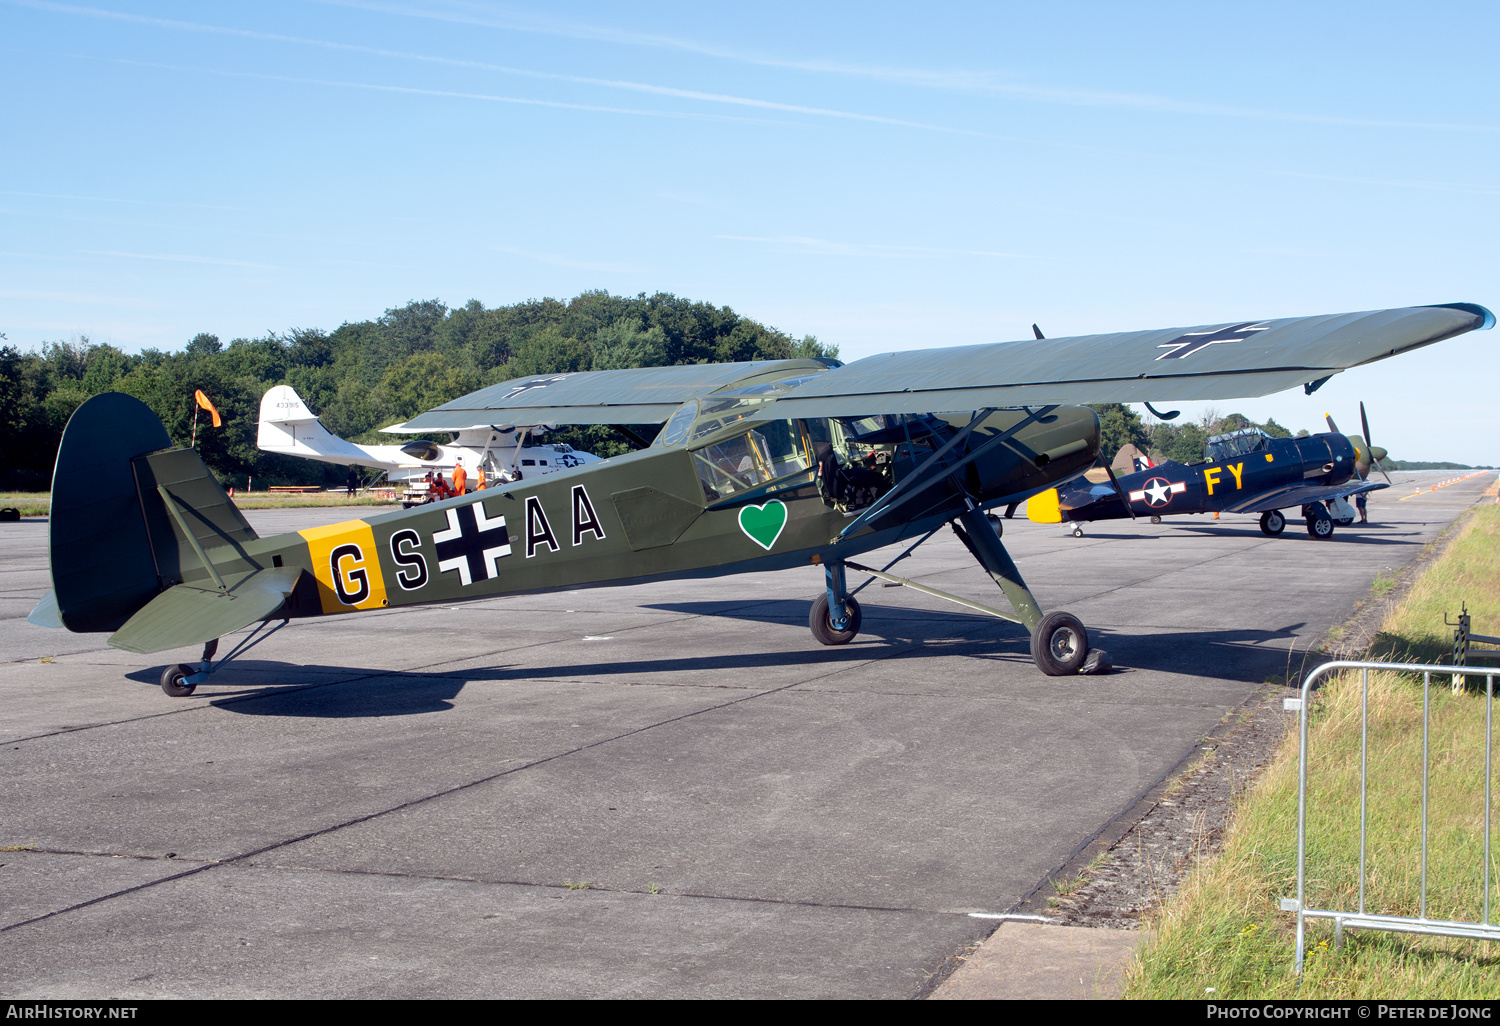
(763, 524)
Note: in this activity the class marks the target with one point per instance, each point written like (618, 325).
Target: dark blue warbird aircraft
(1244, 471)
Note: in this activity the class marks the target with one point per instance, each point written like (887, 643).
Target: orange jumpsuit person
(480, 474)
(459, 477)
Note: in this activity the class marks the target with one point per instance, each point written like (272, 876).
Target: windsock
(203, 402)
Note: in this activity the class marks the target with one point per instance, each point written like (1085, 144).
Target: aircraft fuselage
(650, 515)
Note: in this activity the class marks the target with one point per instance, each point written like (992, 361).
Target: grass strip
(1223, 936)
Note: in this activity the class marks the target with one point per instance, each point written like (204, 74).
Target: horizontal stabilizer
(192, 614)
(46, 613)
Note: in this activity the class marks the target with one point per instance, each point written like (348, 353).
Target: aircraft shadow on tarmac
(268, 688)
(1343, 536)
(271, 688)
(1243, 654)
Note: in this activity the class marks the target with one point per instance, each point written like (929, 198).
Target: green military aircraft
(758, 466)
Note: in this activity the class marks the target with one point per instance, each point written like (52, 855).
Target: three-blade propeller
(1368, 456)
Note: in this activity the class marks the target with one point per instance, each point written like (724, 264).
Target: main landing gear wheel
(1060, 644)
(174, 680)
(1272, 522)
(1320, 527)
(822, 628)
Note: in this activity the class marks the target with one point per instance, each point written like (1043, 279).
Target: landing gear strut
(1059, 641)
(835, 616)
(183, 679)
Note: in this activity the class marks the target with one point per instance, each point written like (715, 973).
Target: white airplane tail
(287, 426)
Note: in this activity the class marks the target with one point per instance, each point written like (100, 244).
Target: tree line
(364, 375)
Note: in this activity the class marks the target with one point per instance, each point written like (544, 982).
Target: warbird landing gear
(835, 615)
(177, 680)
(1319, 523)
(1059, 641)
(182, 680)
(1272, 522)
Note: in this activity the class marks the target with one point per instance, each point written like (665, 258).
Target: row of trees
(364, 375)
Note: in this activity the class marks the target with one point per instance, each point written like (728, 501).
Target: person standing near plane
(1360, 501)
(352, 482)
(459, 477)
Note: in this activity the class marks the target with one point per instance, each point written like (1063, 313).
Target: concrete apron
(1038, 961)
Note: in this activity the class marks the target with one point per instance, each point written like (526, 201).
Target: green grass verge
(1223, 935)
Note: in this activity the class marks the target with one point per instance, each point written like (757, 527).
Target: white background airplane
(288, 427)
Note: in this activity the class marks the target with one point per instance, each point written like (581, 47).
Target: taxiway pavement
(668, 790)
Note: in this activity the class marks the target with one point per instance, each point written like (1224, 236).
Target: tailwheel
(1320, 527)
(1060, 644)
(1155, 519)
(1078, 531)
(822, 626)
(174, 680)
(1272, 522)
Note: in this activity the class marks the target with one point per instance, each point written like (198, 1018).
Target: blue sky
(882, 176)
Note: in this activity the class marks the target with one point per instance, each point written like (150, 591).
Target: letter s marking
(414, 572)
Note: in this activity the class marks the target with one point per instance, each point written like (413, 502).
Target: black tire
(1060, 644)
(1320, 528)
(174, 680)
(823, 630)
(1077, 532)
(996, 523)
(1272, 522)
(1155, 519)
(10, 514)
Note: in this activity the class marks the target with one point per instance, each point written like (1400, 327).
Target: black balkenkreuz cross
(1187, 345)
(472, 543)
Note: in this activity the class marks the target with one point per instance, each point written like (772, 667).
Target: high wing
(641, 395)
(1215, 361)
(1301, 495)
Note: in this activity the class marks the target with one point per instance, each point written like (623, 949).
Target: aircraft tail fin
(287, 426)
(1129, 460)
(114, 540)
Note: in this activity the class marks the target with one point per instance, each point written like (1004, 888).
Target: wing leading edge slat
(1209, 362)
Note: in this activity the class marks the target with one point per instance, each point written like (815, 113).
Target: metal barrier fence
(1362, 919)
